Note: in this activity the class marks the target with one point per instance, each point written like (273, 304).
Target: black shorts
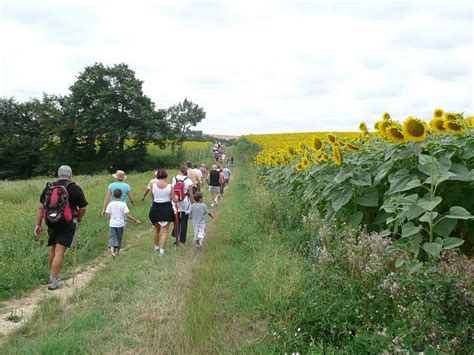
(63, 236)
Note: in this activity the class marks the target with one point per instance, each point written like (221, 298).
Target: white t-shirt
(161, 195)
(117, 211)
(185, 205)
(150, 184)
(199, 174)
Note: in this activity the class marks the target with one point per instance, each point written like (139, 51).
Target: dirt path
(14, 313)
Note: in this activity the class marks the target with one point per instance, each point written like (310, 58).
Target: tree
(182, 117)
(114, 120)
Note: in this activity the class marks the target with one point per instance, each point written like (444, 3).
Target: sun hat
(119, 175)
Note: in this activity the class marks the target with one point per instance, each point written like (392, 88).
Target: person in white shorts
(198, 214)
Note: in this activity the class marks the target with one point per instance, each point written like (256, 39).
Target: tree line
(106, 122)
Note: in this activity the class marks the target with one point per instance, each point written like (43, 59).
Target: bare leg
(156, 234)
(164, 236)
(58, 259)
(51, 254)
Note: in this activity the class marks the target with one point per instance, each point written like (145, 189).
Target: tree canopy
(106, 122)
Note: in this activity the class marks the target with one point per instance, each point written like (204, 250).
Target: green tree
(182, 117)
(113, 119)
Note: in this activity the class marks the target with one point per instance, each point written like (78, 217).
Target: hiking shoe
(162, 255)
(54, 284)
(199, 247)
(113, 256)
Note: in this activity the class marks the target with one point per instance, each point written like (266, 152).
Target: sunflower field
(412, 181)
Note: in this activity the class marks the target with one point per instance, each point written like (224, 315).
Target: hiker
(61, 218)
(216, 155)
(226, 172)
(214, 185)
(183, 203)
(205, 174)
(221, 183)
(161, 211)
(117, 211)
(119, 184)
(193, 176)
(198, 173)
(149, 186)
(198, 214)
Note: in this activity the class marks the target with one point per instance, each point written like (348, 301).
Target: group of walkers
(218, 152)
(63, 205)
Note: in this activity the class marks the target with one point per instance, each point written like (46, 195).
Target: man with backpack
(183, 190)
(62, 206)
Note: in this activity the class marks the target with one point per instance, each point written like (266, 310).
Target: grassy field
(216, 301)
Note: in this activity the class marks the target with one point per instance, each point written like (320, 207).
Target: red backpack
(56, 204)
(178, 189)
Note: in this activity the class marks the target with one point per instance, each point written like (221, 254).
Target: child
(198, 214)
(117, 211)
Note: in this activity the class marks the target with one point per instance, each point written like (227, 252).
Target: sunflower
(437, 125)
(363, 127)
(382, 128)
(386, 116)
(415, 129)
(377, 125)
(317, 144)
(470, 121)
(324, 157)
(299, 167)
(331, 138)
(352, 146)
(291, 151)
(305, 162)
(395, 134)
(453, 125)
(438, 113)
(337, 156)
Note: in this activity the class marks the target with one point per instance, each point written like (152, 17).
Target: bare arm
(39, 220)
(210, 215)
(131, 218)
(106, 201)
(80, 213)
(131, 197)
(146, 193)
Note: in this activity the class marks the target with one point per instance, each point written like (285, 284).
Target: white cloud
(268, 67)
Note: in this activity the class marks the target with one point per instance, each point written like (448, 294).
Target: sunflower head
(470, 121)
(291, 151)
(337, 156)
(437, 125)
(382, 127)
(395, 134)
(352, 146)
(438, 113)
(362, 127)
(324, 157)
(386, 116)
(299, 167)
(317, 144)
(454, 124)
(305, 162)
(331, 138)
(377, 125)
(415, 129)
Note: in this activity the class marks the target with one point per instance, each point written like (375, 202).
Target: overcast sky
(255, 67)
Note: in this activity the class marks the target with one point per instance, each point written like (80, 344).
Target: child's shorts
(199, 231)
(115, 237)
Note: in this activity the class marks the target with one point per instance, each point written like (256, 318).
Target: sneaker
(199, 247)
(162, 255)
(113, 256)
(54, 284)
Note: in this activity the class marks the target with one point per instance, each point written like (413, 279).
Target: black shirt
(214, 178)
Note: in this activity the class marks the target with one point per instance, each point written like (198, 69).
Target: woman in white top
(161, 212)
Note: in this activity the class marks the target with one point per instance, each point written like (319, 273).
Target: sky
(254, 66)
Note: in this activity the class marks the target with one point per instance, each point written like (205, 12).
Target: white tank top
(161, 195)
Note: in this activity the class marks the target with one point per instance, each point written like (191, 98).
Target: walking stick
(176, 226)
(74, 255)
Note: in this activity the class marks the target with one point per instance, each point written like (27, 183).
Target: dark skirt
(161, 212)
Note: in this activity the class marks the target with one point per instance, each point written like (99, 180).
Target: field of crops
(194, 151)
(411, 180)
(23, 261)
